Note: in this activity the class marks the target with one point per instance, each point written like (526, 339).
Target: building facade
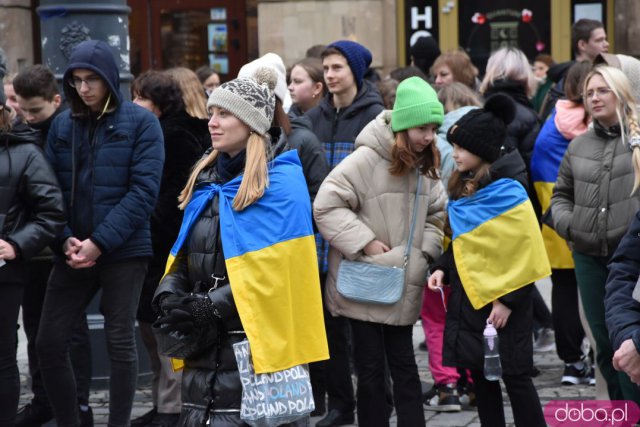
(225, 34)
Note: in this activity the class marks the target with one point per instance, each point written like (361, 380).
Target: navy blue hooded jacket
(109, 164)
(622, 310)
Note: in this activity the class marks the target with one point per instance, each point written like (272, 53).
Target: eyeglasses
(90, 81)
(601, 92)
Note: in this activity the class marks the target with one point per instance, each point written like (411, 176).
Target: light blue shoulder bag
(372, 283)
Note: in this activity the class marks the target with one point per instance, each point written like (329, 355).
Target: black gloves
(185, 312)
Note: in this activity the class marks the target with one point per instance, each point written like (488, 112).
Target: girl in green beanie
(364, 208)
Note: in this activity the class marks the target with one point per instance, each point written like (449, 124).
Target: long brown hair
(403, 158)
(254, 179)
(465, 184)
(193, 94)
(5, 119)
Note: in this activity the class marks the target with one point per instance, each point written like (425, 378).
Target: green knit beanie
(416, 105)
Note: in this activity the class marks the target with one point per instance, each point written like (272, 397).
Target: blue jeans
(68, 293)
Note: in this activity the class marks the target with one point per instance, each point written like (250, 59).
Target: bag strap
(413, 220)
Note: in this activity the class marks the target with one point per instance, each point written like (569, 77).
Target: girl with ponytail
(595, 199)
(234, 197)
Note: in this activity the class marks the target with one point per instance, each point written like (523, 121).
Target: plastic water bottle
(492, 366)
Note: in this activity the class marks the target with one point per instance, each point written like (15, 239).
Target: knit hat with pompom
(483, 131)
(250, 99)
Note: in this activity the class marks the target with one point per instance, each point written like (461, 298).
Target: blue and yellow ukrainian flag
(545, 164)
(271, 261)
(496, 242)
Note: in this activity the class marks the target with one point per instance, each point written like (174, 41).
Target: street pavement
(547, 384)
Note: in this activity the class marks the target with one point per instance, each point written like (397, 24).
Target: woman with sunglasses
(594, 201)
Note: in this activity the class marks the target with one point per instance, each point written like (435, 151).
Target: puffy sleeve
(622, 311)
(562, 201)
(336, 205)
(433, 234)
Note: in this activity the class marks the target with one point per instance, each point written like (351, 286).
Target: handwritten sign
(274, 398)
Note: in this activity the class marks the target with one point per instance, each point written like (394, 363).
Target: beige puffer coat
(361, 201)
(592, 205)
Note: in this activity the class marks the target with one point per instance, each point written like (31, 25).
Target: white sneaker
(546, 341)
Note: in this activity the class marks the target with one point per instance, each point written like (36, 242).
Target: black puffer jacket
(523, 130)
(31, 206)
(463, 341)
(311, 152)
(184, 144)
(213, 373)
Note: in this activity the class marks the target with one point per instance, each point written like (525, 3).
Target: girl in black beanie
(495, 255)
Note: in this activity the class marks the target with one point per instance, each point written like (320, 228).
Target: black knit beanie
(424, 52)
(483, 131)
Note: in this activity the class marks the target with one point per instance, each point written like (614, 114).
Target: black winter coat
(622, 311)
(311, 152)
(184, 144)
(31, 204)
(212, 374)
(522, 131)
(463, 341)
(338, 130)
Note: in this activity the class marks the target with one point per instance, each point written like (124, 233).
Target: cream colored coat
(361, 201)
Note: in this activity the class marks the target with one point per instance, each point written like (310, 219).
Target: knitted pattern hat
(3, 72)
(273, 61)
(629, 65)
(358, 57)
(416, 105)
(483, 131)
(250, 99)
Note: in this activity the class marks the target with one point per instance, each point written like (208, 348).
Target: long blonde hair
(193, 94)
(254, 180)
(626, 111)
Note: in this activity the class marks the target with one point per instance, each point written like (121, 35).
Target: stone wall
(626, 27)
(16, 33)
(288, 28)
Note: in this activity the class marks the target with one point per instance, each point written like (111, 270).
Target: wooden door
(189, 33)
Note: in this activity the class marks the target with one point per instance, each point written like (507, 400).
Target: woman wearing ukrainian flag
(244, 264)
(496, 254)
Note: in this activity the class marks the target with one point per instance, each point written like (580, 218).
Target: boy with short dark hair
(350, 104)
(39, 99)
(108, 155)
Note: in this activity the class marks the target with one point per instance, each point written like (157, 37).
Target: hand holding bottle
(499, 314)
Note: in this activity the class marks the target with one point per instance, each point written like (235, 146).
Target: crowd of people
(216, 212)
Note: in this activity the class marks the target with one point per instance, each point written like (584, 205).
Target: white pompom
(266, 76)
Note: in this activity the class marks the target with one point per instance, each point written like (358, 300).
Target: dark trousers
(333, 376)
(32, 303)
(9, 377)
(566, 315)
(68, 293)
(525, 402)
(591, 273)
(541, 313)
(374, 345)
